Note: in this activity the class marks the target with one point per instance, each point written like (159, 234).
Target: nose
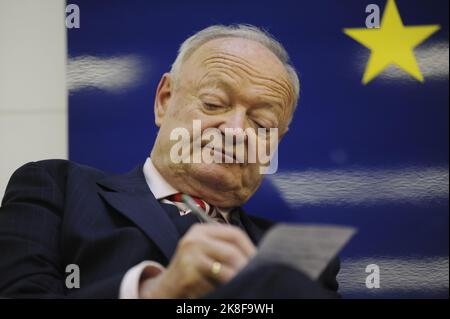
(234, 122)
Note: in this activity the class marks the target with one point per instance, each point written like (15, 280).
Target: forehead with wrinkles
(240, 63)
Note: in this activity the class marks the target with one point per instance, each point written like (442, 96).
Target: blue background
(384, 125)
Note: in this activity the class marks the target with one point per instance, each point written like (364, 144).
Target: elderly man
(130, 236)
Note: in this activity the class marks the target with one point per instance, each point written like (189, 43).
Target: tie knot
(177, 200)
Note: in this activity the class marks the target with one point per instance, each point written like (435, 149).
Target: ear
(162, 98)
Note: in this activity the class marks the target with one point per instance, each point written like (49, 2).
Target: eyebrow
(229, 88)
(270, 105)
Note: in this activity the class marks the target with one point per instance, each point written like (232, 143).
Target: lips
(224, 154)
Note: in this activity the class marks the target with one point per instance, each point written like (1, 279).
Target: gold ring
(216, 267)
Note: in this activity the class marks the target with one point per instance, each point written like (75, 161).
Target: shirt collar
(161, 188)
(157, 184)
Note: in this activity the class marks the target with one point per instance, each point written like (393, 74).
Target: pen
(196, 210)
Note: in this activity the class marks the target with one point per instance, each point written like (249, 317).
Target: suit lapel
(254, 231)
(182, 223)
(130, 195)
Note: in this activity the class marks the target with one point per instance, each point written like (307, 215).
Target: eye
(258, 124)
(264, 126)
(211, 106)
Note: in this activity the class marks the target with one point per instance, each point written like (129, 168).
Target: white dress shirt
(129, 287)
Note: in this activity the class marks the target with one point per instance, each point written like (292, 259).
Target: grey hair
(244, 31)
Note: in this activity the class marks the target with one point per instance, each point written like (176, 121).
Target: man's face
(226, 83)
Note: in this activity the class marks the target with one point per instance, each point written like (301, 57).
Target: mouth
(225, 156)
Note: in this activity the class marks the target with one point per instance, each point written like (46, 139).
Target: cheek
(183, 113)
(178, 116)
(251, 176)
(176, 111)
(250, 182)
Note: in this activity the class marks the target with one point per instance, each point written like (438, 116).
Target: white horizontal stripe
(433, 61)
(363, 186)
(114, 74)
(396, 274)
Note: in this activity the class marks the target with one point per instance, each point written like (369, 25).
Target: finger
(187, 276)
(216, 276)
(224, 252)
(231, 234)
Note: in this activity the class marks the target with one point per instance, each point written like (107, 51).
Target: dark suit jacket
(57, 212)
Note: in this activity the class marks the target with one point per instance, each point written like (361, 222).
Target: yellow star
(392, 43)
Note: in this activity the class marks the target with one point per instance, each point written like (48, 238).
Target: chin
(223, 184)
(223, 177)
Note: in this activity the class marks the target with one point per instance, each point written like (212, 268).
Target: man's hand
(190, 273)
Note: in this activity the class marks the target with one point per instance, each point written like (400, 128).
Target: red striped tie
(176, 199)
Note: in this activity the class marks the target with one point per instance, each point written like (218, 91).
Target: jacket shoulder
(60, 168)
(49, 173)
(60, 165)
